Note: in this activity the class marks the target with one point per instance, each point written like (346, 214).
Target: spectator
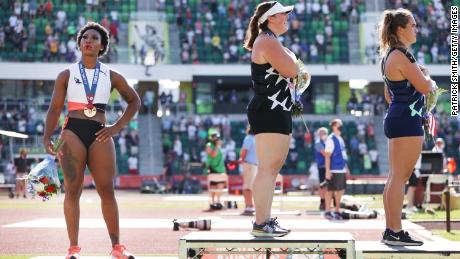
(133, 165)
(336, 169)
(215, 165)
(248, 158)
(320, 153)
(22, 169)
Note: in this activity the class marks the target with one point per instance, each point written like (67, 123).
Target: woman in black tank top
(405, 84)
(269, 112)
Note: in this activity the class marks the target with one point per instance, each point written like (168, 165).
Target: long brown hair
(392, 20)
(254, 27)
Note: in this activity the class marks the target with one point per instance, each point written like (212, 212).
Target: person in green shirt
(215, 165)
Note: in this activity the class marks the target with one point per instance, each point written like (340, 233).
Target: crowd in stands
(184, 140)
(433, 23)
(449, 130)
(45, 31)
(214, 31)
(366, 104)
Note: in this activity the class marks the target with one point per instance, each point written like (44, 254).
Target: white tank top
(76, 95)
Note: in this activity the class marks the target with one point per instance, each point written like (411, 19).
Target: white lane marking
(217, 223)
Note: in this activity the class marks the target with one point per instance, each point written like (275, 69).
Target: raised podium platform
(198, 244)
(431, 250)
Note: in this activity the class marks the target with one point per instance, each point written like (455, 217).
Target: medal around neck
(90, 112)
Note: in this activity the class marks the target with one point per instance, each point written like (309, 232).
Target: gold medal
(90, 112)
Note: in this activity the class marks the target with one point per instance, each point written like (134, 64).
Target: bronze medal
(90, 112)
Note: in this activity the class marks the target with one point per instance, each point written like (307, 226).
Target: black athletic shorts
(270, 121)
(337, 182)
(413, 180)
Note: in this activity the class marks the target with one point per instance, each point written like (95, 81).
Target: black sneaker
(337, 215)
(384, 236)
(402, 238)
(216, 206)
(328, 215)
(267, 229)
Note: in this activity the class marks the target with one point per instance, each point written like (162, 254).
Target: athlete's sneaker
(269, 228)
(249, 211)
(120, 252)
(73, 252)
(337, 215)
(276, 224)
(384, 235)
(402, 238)
(329, 215)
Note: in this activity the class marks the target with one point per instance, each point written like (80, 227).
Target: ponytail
(254, 27)
(392, 20)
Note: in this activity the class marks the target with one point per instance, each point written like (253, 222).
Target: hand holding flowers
(429, 121)
(300, 84)
(43, 179)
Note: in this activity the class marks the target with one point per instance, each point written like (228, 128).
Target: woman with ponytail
(269, 112)
(406, 83)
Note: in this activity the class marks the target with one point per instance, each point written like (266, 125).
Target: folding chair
(434, 179)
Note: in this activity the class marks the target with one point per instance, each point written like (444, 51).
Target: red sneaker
(73, 252)
(120, 252)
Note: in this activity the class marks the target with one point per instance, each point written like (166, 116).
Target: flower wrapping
(43, 179)
(301, 83)
(429, 121)
(432, 98)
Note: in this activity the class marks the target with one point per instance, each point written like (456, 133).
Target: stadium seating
(20, 45)
(222, 24)
(433, 25)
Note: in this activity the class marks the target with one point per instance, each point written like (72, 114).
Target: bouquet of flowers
(43, 179)
(431, 99)
(301, 83)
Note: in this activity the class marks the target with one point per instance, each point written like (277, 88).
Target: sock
(395, 231)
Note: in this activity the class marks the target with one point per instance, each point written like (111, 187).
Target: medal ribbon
(90, 92)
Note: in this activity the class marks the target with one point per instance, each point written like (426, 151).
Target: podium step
(195, 244)
(431, 249)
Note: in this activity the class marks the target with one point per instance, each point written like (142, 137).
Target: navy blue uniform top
(406, 101)
(272, 90)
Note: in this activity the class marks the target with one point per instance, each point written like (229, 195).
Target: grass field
(454, 235)
(440, 215)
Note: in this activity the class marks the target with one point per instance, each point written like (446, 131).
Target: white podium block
(195, 244)
(430, 249)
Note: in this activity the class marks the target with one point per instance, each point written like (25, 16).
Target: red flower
(44, 180)
(42, 194)
(50, 188)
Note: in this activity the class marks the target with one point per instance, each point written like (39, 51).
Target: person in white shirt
(439, 147)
